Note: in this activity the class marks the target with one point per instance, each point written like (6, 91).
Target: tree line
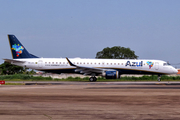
(117, 52)
(9, 69)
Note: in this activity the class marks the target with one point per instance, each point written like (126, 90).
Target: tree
(116, 52)
(7, 68)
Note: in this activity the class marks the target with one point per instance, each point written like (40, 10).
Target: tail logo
(150, 64)
(19, 49)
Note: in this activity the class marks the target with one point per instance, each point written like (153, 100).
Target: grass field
(14, 84)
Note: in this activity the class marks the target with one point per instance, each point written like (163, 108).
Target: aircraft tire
(159, 79)
(95, 79)
(91, 79)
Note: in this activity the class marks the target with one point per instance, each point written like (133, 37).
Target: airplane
(108, 68)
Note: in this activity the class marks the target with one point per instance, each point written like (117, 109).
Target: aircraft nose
(175, 71)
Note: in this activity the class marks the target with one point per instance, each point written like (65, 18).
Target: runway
(86, 100)
(120, 85)
(93, 83)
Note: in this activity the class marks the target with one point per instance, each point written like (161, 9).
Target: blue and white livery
(108, 68)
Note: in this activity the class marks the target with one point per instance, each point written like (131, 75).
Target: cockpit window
(165, 64)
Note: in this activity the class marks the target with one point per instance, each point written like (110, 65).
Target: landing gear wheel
(92, 79)
(95, 79)
(159, 78)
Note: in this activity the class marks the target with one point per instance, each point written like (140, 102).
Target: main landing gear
(92, 79)
(159, 78)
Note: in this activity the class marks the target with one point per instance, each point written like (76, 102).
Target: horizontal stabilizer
(11, 60)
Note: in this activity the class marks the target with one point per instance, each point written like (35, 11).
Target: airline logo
(18, 48)
(150, 64)
(135, 64)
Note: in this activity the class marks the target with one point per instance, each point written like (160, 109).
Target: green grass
(14, 84)
(22, 77)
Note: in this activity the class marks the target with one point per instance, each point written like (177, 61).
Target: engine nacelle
(111, 74)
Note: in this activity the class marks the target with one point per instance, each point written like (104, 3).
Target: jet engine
(111, 74)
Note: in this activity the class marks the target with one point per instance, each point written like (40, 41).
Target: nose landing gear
(159, 78)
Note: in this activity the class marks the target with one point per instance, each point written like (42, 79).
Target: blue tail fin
(17, 49)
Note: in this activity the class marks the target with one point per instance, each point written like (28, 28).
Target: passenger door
(156, 65)
(40, 63)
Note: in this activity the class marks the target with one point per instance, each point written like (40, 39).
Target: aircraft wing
(12, 60)
(86, 70)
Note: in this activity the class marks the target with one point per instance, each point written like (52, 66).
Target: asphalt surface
(86, 100)
(92, 83)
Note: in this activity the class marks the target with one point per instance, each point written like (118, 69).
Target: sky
(81, 28)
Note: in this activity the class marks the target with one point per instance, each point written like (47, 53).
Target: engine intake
(111, 74)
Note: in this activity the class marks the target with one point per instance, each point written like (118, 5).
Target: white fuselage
(124, 66)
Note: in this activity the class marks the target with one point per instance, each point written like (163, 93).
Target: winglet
(71, 64)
